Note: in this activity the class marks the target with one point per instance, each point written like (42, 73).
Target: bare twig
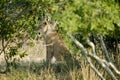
(106, 67)
(4, 47)
(110, 64)
(79, 45)
(114, 68)
(104, 49)
(4, 51)
(94, 68)
(85, 53)
(91, 44)
(108, 58)
(102, 62)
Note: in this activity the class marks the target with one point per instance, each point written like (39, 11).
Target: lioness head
(46, 27)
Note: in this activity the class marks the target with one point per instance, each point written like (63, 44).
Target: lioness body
(56, 49)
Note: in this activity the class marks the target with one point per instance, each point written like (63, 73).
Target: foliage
(85, 16)
(20, 18)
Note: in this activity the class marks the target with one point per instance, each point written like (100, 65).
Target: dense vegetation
(95, 20)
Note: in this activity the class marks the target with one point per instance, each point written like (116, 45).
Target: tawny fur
(56, 48)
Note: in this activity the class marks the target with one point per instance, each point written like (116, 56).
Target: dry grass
(31, 68)
(88, 73)
(42, 73)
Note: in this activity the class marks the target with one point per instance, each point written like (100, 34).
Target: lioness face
(46, 27)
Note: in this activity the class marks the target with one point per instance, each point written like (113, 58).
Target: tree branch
(94, 69)
(4, 47)
(104, 49)
(108, 57)
(85, 53)
(91, 44)
(102, 62)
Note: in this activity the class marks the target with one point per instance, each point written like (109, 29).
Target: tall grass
(33, 69)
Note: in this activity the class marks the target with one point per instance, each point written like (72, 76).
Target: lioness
(56, 49)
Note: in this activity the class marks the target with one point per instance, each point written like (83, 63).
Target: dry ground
(35, 54)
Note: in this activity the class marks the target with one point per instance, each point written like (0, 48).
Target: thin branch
(104, 49)
(94, 68)
(104, 64)
(108, 58)
(79, 45)
(100, 61)
(7, 64)
(110, 64)
(91, 44)
(85, 53)
(4, 47)
(106, 67)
